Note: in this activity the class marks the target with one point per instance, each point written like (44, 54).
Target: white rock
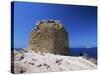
(47, 62)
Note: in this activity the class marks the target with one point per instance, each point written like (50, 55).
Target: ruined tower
(49, 36)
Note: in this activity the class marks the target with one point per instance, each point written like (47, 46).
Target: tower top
(56, 24)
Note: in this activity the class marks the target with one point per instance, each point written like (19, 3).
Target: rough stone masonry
(49, 36)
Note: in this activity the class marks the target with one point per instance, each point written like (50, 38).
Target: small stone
(22, 57)
(39, 65)
(31, 63)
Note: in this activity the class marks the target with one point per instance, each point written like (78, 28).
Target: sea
(90, 52)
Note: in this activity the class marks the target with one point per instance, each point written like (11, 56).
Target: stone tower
(49, 36)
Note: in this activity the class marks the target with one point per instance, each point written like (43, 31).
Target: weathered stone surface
(49, 36)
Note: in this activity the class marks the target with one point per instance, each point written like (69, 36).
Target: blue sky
(79, 21)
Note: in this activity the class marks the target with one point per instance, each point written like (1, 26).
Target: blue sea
(91, 52)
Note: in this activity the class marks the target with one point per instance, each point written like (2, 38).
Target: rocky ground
(27, 61)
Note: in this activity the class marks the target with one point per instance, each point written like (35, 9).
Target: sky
(79, 21)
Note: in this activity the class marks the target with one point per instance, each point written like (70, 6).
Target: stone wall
(49, 36)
